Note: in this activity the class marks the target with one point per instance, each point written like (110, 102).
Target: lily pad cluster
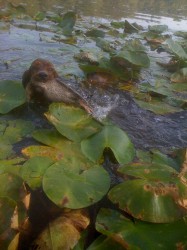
(70, 164)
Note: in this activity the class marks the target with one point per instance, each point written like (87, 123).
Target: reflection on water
(145, 9)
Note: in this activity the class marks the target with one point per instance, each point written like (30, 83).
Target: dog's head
(40, 70)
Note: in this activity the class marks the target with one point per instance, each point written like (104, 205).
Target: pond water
(19, 47)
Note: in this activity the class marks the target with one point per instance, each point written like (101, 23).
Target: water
(146, 129)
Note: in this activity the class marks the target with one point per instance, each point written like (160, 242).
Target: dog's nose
(43, 74)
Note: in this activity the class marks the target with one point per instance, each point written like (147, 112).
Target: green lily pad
(63, 232)
(118, 25)
(105, 45)
(134, 53)
(181, 34)
(11, 132)
(110, 137)
(130, 28)
(68, 22)
(157, 106)
(95, 33)
(141, 235)
(73, 123)
(33, 170)
(11, 166)
(158, 28)
(71, 185)
(176, 49)
(12, 95)
(105, 243)
(10, 186)
(158, 188)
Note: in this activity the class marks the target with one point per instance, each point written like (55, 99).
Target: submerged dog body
(43, 85)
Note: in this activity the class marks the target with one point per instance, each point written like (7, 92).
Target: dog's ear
(26, 78)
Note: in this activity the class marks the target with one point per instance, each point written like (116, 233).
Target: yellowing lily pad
(64, 232)
(73, 123)
(159, 189)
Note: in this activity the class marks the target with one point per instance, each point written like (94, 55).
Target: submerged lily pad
(139, 235)
(12, 95)
(110, 137)
(73, 123)
(71, 185)
(63, 232)
(160, 190)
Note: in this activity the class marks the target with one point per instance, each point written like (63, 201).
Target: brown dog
(43, 85)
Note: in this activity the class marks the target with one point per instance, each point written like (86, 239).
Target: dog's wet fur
(43, 84)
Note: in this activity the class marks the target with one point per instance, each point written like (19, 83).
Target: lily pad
(73, 123)
(68, 22)
(134, 53)
(158, 28)
(130, 28)
(105, 243)
(141, 235)
(95, 33)
(159, 189)
(62, 233)
(12, 95)
(71, 185)
(180, 76)
(176, 49)
(110, 137)
(11, 132)
(33, 170)
(105, 45)
(157, 106)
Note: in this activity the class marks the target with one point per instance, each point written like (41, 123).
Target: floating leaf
(39, 16)
(118, 25)
(62, 233)
(95, 33)
(11, 132)
(141, 235)
(85, 56)
(134, 53)
(181, 34)
(105, 243)
(110, 137)
(73, 123)
(158, 107)
(180, 76)
(176, 49)
(44, 151)
(12, 95)
(158, 188)
(68, 22)
(11, 166)
(158, 28)
(33, 170)
(130, 28)
(71, 185)
(105, 45)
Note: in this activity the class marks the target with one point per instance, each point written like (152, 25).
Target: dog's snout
(42, 74)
